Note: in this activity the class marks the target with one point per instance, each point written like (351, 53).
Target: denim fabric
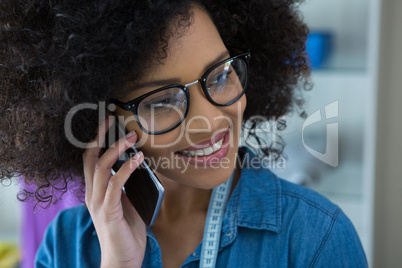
(268, 222)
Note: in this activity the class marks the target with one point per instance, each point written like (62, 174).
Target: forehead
(188, 55)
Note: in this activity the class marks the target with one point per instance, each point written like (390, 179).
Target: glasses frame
(132, 106)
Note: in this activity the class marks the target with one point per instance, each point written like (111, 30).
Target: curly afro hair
(57, 54)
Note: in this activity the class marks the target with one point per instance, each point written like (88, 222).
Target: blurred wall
(388, 186)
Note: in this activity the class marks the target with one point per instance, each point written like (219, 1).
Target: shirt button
(194, 254)
(228, 234)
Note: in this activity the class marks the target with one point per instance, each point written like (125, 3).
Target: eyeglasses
(164, 109)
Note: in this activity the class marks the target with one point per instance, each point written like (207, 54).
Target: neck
(182, 201)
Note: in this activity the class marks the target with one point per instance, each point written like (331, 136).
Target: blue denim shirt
(268, 222)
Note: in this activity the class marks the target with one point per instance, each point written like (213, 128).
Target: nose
(202, 116)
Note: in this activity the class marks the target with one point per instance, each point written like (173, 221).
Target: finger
(102, 172)
(91, 155)
(116, 183)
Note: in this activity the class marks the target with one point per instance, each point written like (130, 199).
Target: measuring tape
(213, 223)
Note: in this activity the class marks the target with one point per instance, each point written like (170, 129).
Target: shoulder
(323, 225)
(278, 200)
(300, 199)
(258, 184)
(297, 220)
(77, 214)
(75, 220)
(69, 237)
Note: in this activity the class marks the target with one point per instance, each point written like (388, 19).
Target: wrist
(120, 264)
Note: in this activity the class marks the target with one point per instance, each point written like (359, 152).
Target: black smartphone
(143, 188)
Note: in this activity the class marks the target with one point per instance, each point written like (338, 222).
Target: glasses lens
(227, 81)
(162, 110)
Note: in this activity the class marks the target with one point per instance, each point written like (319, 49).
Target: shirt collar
(256, 200)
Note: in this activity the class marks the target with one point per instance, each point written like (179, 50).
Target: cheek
(236, 110)
(158, 145)
(243, 101)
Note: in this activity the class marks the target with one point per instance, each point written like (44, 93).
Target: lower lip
(209, 159)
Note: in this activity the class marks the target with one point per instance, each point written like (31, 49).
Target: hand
(121, 231)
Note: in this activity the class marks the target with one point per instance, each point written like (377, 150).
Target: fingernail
(130, 134)
(138, 155)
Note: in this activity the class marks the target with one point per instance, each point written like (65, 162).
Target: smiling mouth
(205, 151)
(206, 148)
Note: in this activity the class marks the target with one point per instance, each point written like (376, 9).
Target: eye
(165, 103)
(159, 104)
(220, 79)
(220, 76)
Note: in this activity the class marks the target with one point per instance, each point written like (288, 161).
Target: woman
(186, 65)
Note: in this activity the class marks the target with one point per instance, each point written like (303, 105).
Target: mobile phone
(143, 188)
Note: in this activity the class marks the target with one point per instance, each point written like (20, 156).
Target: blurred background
(348, 146)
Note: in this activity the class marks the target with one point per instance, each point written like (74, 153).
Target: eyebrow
(176, 80)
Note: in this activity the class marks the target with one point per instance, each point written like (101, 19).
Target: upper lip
(207, 143)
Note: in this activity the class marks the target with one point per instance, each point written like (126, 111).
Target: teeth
(208, 151)
(203, 152)
(216, 146)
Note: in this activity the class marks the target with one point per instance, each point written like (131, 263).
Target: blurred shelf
(344, 62)
(339, 73)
